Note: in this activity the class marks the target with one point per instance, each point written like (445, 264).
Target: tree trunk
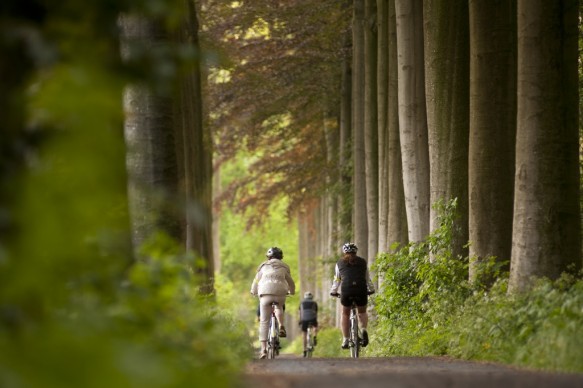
(371, 140)
(196, 161)
(383, 127)
(492, 130)
(149, 133)
(412, 116)
(546, 229)
(447, 93)
(358, 97)
(397, 232)
(345, 154)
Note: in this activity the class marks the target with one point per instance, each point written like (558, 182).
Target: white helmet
(349, 248)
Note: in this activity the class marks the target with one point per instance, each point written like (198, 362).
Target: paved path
(403, 372)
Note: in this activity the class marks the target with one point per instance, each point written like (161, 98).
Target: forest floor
(290, 371)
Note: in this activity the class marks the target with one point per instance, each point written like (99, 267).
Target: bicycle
(355, 340)
(273, 334)
(310, 341)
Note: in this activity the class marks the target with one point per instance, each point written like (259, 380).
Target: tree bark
(492, 131)
(546, 229)
(397, 218)
(149, 133)
(412, 116)
(447, 93)
(382, 119)
(371, 140)
(195, 164)
(345, 153)
(358, 98)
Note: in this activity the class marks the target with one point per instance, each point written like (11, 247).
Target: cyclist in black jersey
(308, 316)
(352, 282)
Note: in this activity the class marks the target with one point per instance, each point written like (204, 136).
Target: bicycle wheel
(310, 342)
(272, 340)
(354, 337)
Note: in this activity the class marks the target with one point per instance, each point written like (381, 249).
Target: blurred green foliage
(429, 308)
(76, 307)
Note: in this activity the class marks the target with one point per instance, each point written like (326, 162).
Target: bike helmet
(308, 295)
(274, 252)
(349, 248)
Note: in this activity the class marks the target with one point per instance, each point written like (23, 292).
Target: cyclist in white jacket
(272, 283)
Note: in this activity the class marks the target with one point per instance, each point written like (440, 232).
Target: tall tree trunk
(358, 97)
(196, 161)
(371, 139)
(412, 116)
(447, 93)
(149, 133)
(332, 130)
(492, 130)
(546, 229)
(383, 126)
(397, 232)
(345, 146)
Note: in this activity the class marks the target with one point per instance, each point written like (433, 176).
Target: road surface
(289, 371)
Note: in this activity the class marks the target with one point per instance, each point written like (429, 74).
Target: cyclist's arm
(290, 283)
(336, 281)
(255, 283)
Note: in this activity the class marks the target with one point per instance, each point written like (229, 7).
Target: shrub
(427, 307)
(155, 331)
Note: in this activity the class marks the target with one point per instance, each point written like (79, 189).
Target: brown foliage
(293, 72)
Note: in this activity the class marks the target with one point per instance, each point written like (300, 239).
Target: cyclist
(272, 283)
(308, 316)
(353, 279)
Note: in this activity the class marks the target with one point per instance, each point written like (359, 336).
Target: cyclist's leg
(279, 312)
(345, 326)
(264, 316)
(363, 319)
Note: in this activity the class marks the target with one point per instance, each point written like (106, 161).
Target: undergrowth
(154, 330)
(428, 307)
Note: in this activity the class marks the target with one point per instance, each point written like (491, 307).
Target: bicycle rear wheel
(310, 342)
(272, 340)
(354, 338)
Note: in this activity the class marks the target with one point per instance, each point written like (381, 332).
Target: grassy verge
(431, 309)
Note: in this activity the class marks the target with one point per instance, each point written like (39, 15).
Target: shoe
(345, 343)
(263, 354)
(305, 353)
(364, 338)
(282, 332)
(315, 341)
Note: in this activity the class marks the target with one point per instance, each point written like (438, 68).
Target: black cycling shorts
(346, 300)
(305, 324)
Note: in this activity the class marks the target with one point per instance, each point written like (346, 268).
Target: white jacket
(273, 278)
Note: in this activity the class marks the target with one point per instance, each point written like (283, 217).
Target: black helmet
(349, 248)
(274, 252)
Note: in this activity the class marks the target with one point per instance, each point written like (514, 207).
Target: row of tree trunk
(476, 101)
